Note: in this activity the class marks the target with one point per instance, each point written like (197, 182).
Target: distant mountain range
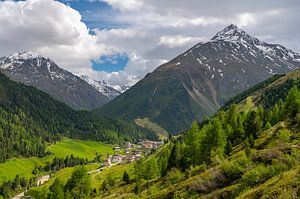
(105, 88)
(198, 82)
(42, 73)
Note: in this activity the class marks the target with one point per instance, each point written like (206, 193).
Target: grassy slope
(256, 93)
(79, 148)
(23, 167)
(215, 182)
(97, 178)
(63, 174)
(146, 123)
(272, 170)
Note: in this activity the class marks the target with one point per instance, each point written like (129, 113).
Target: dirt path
(40, 181)
(97, 171)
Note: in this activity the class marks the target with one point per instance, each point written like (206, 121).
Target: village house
(137, 154)
(128, 159)
(116, 148)
(150, 144)
(116, 158)
(128, 145)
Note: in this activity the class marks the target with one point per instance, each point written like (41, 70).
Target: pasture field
(79, 148)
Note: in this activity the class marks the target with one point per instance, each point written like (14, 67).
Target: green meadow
(79, 148)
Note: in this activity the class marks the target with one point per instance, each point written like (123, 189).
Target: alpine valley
(220, 120)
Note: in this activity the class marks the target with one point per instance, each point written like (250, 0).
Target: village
(131, 152)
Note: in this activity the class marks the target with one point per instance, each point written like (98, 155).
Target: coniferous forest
(31, 119)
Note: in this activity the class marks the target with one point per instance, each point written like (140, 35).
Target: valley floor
(79, 148)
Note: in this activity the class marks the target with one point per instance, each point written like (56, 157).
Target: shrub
(262, 173)
(208, 181)
(267, 155)
(174, 176)
(232, 169)
(284, 135)
(194, 170)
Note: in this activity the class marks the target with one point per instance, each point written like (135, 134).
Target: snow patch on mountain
(103, 87)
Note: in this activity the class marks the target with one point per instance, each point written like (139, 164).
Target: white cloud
(178, 40)
(245, 19)
(125, 5)
(155, 31)
(50, 28)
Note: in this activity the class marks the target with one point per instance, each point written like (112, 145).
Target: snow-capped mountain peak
(234, 34)
(36, 70)
(102, 86)
(25, 55)
(18, 58)
(240, 38)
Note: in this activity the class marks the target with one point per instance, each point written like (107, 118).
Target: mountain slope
(237, 153)
(30, 119)
(42, 73)
(198, 82)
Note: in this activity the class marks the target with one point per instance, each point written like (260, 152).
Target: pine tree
(247, 149)
(126, 177)
(175, 156)
(253, 124)
(219, 139)
(192, 143)
(228, 148)
(79, 185)
(292, 103)
(251, 141)
(56, 190)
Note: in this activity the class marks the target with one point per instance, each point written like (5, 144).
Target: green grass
(116, 171)
(22, 167)
(79, 148)
(63, 175)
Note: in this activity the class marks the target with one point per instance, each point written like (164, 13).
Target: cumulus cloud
(177, 40)
(151, 32)
(50, 28)
(125, 5)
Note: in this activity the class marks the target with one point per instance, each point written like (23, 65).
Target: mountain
(31, 119)
(103, 87)
(42, 73)
(248, 151)
(198, 82)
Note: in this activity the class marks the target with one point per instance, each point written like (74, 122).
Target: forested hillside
(29, 119)
(251, 150)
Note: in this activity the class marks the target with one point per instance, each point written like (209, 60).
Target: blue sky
(110, 63)
(98, 14)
